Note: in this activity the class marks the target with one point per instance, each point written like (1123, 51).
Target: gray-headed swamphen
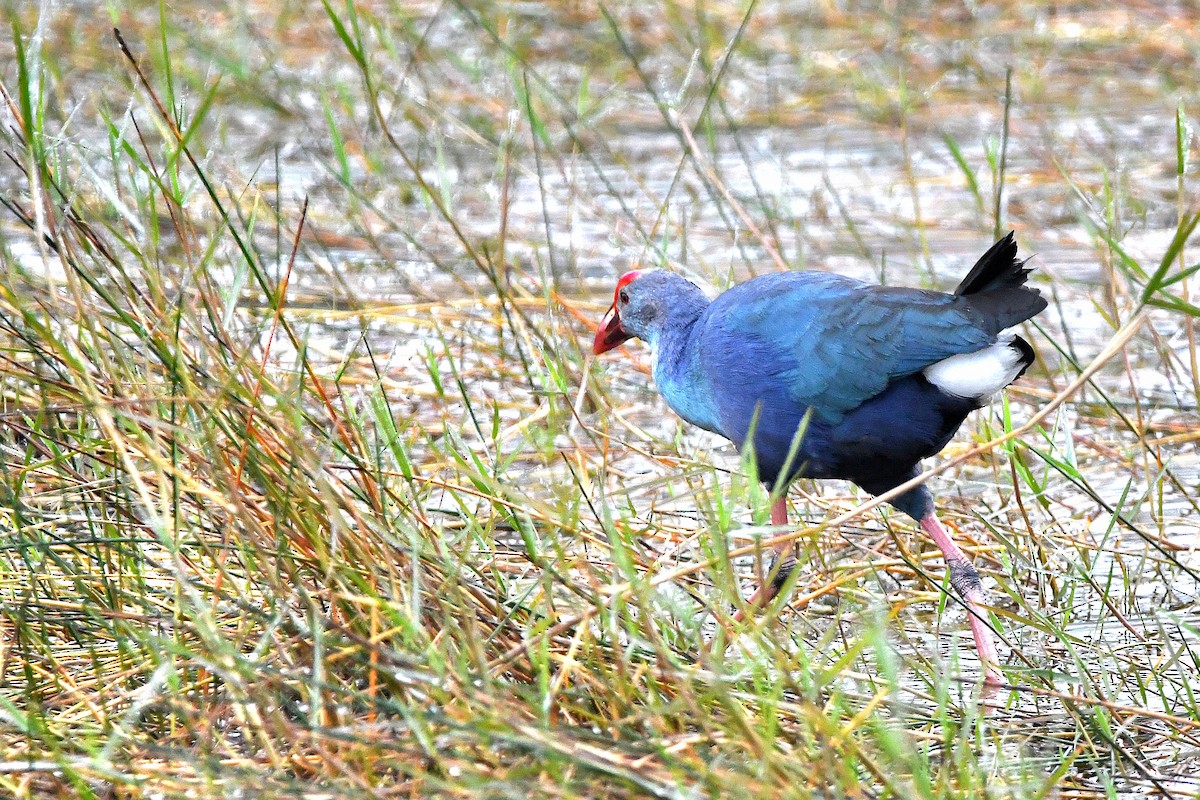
(837, 378)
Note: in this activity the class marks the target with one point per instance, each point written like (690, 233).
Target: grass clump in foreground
(269, 533)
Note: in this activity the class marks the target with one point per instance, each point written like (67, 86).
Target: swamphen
(837, 378)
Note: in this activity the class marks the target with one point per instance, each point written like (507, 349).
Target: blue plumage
(828, 341)
(773, 349)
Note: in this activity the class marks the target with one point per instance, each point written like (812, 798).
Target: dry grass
(311, 489)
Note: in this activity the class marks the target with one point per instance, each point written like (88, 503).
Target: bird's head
(642, 303)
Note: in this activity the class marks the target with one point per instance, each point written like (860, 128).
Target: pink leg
(779, 513)
(784, 563)
(965, 581)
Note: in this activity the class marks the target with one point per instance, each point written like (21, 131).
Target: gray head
(645, 301)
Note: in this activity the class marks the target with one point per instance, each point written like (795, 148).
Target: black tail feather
(998, 268)
(995, 287)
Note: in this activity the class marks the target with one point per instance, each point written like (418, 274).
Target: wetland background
(312, 488)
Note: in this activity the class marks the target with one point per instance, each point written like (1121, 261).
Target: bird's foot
(772, 582)
(965, 580)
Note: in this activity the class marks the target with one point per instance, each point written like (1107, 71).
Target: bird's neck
(671, 339)
(677, 369)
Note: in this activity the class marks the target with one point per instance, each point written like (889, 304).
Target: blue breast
(682, 382)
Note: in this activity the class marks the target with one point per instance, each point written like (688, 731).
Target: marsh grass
(311, 488)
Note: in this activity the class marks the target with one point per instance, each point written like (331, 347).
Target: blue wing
(788, 342)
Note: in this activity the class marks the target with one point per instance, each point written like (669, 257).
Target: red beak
(610, 334)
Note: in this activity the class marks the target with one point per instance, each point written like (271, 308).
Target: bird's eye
(623, 296)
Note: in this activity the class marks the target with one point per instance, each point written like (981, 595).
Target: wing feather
(826, 342)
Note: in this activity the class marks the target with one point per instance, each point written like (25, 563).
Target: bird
(823, 376)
